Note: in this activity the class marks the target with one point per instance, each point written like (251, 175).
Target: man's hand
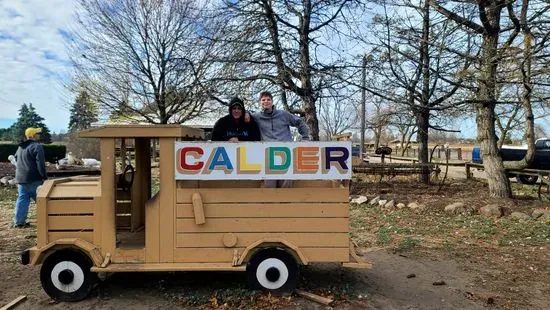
(247, 117)
(234, 139)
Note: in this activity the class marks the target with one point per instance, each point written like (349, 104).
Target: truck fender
(272, 242)
(37, 255)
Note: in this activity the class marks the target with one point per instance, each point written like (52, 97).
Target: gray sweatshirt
(30, 165)
(275, 125)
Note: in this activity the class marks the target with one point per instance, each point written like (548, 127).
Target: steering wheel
(126, 179)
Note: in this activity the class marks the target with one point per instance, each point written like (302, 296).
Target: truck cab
(517, 153)
(203, 217)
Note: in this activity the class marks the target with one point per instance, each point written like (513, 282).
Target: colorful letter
(186, 168)
(270, 166)
(219, 160)
(335, 157)
(306, 159)
(244, 167)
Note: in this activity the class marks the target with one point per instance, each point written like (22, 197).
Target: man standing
(232, 127)
(275, 126)
(30, 172)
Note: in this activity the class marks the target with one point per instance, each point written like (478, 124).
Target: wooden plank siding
(290, 210)
(221, 255)
(316, 221)
(264, 195)
(273, 225)
(84, 235)
(70, 222)
(66, 192)
(70, 207)
(252, 184)
(213, 240)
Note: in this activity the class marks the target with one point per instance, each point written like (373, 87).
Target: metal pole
(363, 102)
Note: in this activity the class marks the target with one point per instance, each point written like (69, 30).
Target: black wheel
(527, 179)
(272, 270)
(66, 276)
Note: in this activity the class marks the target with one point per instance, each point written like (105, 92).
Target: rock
(520, 215)
(389, 205)
(459, 208)
(382, 202)
(4, 180)
(452, 207)
(416, 207)
(12, 182)
(539, 213)
(493, 210)
(412, 275)
(401, 205)
(440, 282)
(359, 200)
(374, 201)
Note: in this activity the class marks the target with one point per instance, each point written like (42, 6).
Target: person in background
(232, 127)
(30, 173)
(275, 126)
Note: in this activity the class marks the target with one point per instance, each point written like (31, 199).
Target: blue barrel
(476, 155)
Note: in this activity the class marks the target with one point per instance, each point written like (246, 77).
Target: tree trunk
(377, 134)
(308, 98)
(499, 184)
(423, 115)
(527, 89)
(310, 115)
(423, 123)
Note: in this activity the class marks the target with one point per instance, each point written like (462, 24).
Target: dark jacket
(31, 166)
(227, 128)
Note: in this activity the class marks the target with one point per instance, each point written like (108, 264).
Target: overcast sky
(33, 61)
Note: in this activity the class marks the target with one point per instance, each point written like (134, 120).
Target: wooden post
(459, 153)
(141, 177)
(108, 230)
(167, 204)
(468, 171)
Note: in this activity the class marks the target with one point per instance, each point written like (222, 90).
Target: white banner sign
(263, 160)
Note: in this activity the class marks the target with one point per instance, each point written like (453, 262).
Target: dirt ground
(484, 263)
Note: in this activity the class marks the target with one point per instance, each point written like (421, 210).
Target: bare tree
(284, 44)
(144, 55)
(498, 33)
(380, 119)
(414, 63)
(404, 122)
(337, 110)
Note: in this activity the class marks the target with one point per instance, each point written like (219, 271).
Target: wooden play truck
(119, 222)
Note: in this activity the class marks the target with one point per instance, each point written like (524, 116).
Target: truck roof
(142, 131)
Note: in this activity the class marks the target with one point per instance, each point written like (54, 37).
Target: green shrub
(52, 152)
(7, 149)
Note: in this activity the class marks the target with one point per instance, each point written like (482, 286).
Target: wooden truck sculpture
(211, 211)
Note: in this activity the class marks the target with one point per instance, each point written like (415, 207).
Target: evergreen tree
(29, 118)
(83, 112)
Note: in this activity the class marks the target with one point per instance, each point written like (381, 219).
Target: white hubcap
(261, 273)
(77, 280)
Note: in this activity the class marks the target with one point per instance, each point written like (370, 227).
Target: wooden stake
(320, 299)
(14, 302)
